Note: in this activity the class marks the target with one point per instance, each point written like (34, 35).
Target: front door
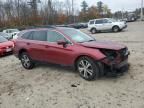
(107, 25)
(58, 53)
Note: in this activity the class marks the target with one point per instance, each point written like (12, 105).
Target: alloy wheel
(25, 61)
(85, 68)
(93, 31)
(115, 29)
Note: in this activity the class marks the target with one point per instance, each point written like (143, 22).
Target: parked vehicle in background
(75, 25)
(6, 46)
(15, 35)
(5, 35)
(10, 31)
(131, 17)
(70, 47)
(78, 25)
(84, 25)
(96, 25)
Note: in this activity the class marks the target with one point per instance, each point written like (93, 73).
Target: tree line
(46, 12)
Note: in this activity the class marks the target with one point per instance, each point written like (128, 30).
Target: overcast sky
(114, 5)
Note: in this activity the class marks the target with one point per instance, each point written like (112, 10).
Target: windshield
(2, 39)
(77, 35)
(4, 34)
(14, 30)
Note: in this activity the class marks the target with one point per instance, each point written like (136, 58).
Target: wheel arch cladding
(93, 56)
(21, 51)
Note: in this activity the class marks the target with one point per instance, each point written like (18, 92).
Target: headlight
(124, 52)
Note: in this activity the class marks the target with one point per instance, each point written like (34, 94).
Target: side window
(7, 31)
(54, 36)
(10, 31)
(105, 21)
(99, 22)
(91, 22)
(27, 35)
(40, 35)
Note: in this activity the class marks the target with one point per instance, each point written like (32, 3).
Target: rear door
(37, 45)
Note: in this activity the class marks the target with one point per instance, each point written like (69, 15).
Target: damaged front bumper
(116, 66)
(121, 67)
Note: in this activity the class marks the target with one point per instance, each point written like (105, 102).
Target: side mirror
(62, 42)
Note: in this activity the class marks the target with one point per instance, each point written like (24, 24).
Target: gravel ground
(52, 86)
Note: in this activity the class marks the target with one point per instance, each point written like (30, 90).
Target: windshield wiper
(90, 40)
(86, 41)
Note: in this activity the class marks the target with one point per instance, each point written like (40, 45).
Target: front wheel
(27, 63)
(87, 68)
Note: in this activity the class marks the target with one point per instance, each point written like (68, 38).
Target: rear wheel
(93, 31)
(87, 68)
(115, 29)
(26, 61)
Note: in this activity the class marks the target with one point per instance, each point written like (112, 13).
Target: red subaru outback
(68, 46)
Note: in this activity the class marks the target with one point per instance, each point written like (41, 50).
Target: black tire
(115, 29)
(26, 61)
(101, 69)
(93, 30)
(87, 73)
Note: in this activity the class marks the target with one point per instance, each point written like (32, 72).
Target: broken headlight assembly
(110, 54)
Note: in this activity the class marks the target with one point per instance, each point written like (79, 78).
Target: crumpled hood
(103, 45)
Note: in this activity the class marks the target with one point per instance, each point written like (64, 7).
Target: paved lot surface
(49, 86)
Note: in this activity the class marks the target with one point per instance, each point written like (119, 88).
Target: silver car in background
(103, 24)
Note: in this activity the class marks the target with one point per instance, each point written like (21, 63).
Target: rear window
(2, 39)
(26, 35)
(91, 22)
(40, 35)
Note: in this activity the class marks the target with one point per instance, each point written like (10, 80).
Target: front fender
(92, 53)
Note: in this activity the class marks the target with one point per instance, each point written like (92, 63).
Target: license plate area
(8, 49)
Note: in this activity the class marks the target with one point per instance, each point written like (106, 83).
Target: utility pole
(73, 17)
(141, 10)
(33, 4)
(18, 8)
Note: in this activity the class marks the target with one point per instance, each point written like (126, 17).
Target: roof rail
(45, 26)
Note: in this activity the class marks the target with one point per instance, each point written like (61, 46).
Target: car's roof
(99, 19)
(10, 29)
(2, 33)
(53, 28)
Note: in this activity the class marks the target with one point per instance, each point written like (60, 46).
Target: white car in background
(10, 31)
(106, 24)
(15, 35)
(5, 35)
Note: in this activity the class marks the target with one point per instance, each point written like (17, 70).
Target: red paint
(4, 46)
(54, 53)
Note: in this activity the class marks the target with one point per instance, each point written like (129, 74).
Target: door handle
(46, 46)
(28, 43)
